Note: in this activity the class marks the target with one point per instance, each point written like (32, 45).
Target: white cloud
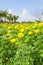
(26, 16)
(11, 11)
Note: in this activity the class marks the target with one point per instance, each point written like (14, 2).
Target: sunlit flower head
(20, 35)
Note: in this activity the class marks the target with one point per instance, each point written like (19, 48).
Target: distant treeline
(5, 17)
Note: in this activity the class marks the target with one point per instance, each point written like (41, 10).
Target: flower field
(21, 44)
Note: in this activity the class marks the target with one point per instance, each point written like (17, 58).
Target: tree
(10, 17)
(4, 15)
(38, 15)
(7, 16)
(0, 15)
(15, 18)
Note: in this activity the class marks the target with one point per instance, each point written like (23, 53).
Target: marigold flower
(9, 27)
(20, 35)
(16, 27)
(40, 24)
(36, 31)
(13, 40)
(30, 33)
(8, 34)
(9, 31)
(21, 30)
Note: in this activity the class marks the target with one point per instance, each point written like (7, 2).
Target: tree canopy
(8, 17)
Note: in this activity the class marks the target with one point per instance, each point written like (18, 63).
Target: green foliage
(7, 17)
(28, 53)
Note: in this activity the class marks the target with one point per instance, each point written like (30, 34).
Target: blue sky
(23, 8)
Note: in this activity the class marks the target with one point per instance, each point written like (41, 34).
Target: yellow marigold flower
(9, 27)
(36, 31)
(20, 35)
(41, 24)
(21, 30)
(26, 28)
(16, 27)
(8, 34)
(13, 40)
(9, 31)
(21, 25)
(34, 26)
(26, 40)
(30, 33)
